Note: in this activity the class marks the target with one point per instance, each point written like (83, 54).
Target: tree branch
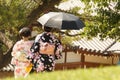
(45, 7)
(5, 40)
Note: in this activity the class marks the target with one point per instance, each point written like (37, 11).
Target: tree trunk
(5, 57)
(1, 58)
(5, 40)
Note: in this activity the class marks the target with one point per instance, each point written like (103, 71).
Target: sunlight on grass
(106, 73)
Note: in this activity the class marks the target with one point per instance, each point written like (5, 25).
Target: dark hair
(25, 32)
(47, 29)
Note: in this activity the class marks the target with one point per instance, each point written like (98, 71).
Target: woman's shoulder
(18, 42)
(31, 41)
(39, 35)
(22, 42)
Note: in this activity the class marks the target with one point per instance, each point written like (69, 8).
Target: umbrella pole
(59, 36)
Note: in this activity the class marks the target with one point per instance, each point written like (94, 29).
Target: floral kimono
(20, 52)
(45, 61)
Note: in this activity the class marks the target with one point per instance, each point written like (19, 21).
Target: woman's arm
(58, 51)
(36, 45)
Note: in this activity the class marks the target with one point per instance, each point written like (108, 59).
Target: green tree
(15, 14)
(105, 24)
(107, 21)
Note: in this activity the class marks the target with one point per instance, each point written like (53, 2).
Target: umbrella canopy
(61, 20)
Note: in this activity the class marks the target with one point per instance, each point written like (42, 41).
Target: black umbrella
(61, 20)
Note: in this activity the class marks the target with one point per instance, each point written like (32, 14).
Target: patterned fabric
(20, 52)
(45, 62)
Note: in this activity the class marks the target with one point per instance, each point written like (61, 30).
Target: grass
(103, 73)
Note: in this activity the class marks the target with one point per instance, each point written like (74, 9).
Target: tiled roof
(97, 44)
(72, 4)
(115, 47)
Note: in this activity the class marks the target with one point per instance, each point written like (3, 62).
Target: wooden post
(112, 59)
(65, 60)
(82, 60)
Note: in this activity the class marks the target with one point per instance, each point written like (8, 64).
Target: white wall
(72, 57)
(98, 59)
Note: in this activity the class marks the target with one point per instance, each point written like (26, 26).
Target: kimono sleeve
(58, 51)
(15, 49)
(36, 45)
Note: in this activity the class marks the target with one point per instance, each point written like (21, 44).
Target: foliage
(13, 14)
(66, 39)
(101, 18)
(64, 0)
(3, 48)
(107, 22)
(106, 73)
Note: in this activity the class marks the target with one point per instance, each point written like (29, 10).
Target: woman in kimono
(20, 52)
(46, 48)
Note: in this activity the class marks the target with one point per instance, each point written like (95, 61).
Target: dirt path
(5, 74)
